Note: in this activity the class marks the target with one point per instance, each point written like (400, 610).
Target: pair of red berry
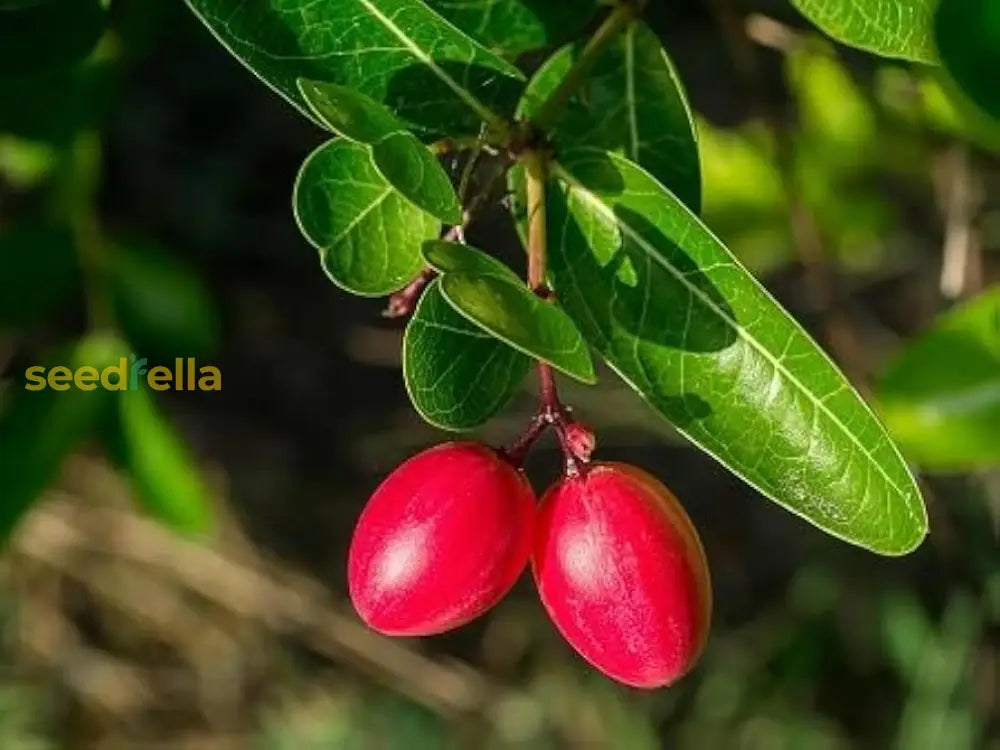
(617, 562)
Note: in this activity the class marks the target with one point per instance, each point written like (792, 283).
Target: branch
(552, 108)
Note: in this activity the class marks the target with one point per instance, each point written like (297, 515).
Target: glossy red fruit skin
(441, 540)
(622, 574)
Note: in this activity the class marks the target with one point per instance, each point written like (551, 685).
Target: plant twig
(552, 108)
(577, 441)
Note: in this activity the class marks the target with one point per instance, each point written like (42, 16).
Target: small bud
(580, 441)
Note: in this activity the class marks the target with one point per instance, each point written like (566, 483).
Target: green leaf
(162, 306)
(399, 156)
(47, 35)
(38, 428)
(941, 396)
(38, 272)
(967, 33)
(513, 313)
(511, 27)
(165, 478)
(696, 335)
(632, 103)
(368, 234)
(457, 375)
(456, 257)
(398, 52)
(891, 28)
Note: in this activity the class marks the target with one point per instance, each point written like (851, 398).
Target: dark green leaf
(632, 103)
(162, 306)
(697, 336)
(38, 272)
(941, 396)
(457, 375)
(967, 33)
(455, 257)
(892, 28)
(48, 34)
(38, 428)
(165, 478)
(510, 27)
(368, 235)
(513, 313)
(402, 160)
(398, 52)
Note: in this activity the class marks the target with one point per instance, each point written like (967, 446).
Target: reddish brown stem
(404, 302)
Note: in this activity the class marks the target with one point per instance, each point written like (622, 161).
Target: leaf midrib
(421, 54)
(587, 195)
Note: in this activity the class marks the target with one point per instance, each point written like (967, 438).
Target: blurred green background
(177, 579)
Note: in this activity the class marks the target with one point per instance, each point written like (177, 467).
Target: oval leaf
(632, 103)
(456, 257)
(457, 375)
(891, 28)
(399, 156)
(941, 396)
(677, 316)
(510, 27)
(967, 33)
(164, 475)
(512, 313)
(368, 235)
(398, 52)
(41, 425)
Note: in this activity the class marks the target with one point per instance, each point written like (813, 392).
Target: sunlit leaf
(166, 479)
(941, 396)
(632, 103)
(368, 234)
(510, 27)
(456, 257)
(893, 28)
(398, 52)
(513, 313)
(687, 327)
(457, 375)
(399, 156)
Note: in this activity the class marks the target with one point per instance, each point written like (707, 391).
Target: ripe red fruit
(443, 538)
(622, 573)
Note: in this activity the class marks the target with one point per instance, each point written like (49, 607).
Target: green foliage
(166, 480)
(457, 375)
(162, 306)
(368, 234)
(488, 294)
(941, 395)
(39, 428)
(967, 33)
(510, 27)
(397, 52)
(711, 350)
(399, 157)
(633, 103)
(894, 28)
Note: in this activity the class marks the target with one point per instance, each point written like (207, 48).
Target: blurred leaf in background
(38, 271)
(39, 428)
(941, 395)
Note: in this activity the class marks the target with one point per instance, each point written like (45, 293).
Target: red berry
(443, 538)
(622, 573)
